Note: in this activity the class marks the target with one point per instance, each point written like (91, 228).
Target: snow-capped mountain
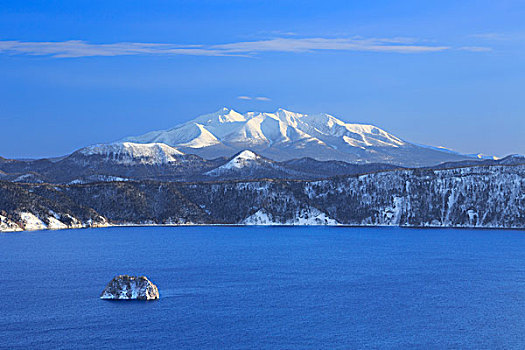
(247, 163)
(285, 135)
(244, 159)
(159, 162)
(133, 153)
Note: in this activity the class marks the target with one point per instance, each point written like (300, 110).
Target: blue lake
(265, 287)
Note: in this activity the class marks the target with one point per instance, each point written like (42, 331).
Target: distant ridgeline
(475, 196)
(263, 168)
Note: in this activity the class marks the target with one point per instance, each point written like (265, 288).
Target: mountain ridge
(283, 135)
(129, 161)
(126, 161)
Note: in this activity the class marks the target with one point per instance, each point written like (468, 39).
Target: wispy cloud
(257, 98)
(76, 48)
(275, 33)
(316, 44)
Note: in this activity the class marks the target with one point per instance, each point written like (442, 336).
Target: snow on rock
(473, 218)
(7, 225)
(310, 216)
(55, 224)
(124, 287)
(392, 214)
(77, 182)
(260, 217)
(27, 221)
(31, 222)
(132, 153)
(97, 178)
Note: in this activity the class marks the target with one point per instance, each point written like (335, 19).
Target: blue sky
(442, 73)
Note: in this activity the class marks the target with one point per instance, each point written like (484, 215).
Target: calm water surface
(260, 287)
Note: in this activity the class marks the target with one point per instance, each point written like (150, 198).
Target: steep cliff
(480, 196)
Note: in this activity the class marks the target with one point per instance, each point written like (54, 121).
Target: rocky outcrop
(7, 225)
(124, 287)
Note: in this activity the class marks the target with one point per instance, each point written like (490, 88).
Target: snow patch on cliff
(310, 216)
(31, 222)
(55, 224)
(392, 215)
(260, 217)
(7, 225)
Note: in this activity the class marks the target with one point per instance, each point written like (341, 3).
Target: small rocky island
(124, 287)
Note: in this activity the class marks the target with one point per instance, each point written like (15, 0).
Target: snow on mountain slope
(330, 130)
(248, 162)
(242, 160)
(285, 135)
(133, 153)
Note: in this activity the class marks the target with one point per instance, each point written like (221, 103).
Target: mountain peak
(284, 135)
(280, 109)
(285, 112)
(246, 154)
(223, 115)
(242, 160)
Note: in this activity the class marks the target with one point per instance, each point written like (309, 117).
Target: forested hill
(480, 196)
